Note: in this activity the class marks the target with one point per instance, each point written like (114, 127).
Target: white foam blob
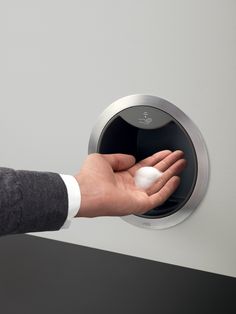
(146, 176)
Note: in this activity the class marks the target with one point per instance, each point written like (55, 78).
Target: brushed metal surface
(198, 143)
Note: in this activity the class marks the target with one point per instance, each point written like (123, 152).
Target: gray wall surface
(63, 62)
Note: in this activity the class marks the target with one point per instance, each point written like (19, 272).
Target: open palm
(107, 183)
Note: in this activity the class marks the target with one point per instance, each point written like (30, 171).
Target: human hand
(107, 183)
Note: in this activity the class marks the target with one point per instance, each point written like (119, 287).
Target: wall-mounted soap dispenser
(142, 125)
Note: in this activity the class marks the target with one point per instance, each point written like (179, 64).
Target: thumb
(119, 162)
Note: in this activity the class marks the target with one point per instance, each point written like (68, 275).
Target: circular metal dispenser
(141, 125)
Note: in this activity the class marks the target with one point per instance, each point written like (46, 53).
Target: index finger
(149, 161)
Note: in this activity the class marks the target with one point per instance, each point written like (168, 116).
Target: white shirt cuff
(74, 198)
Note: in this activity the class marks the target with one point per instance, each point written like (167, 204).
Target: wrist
(90, 197)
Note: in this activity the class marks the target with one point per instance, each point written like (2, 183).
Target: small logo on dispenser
(145, 120)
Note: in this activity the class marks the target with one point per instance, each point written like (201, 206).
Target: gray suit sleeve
(31, 201)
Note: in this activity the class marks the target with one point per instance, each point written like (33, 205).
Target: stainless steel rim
(198, 143)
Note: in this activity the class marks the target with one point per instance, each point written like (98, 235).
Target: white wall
(63, 62)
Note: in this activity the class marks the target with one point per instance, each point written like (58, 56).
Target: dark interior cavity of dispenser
(119, 136)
